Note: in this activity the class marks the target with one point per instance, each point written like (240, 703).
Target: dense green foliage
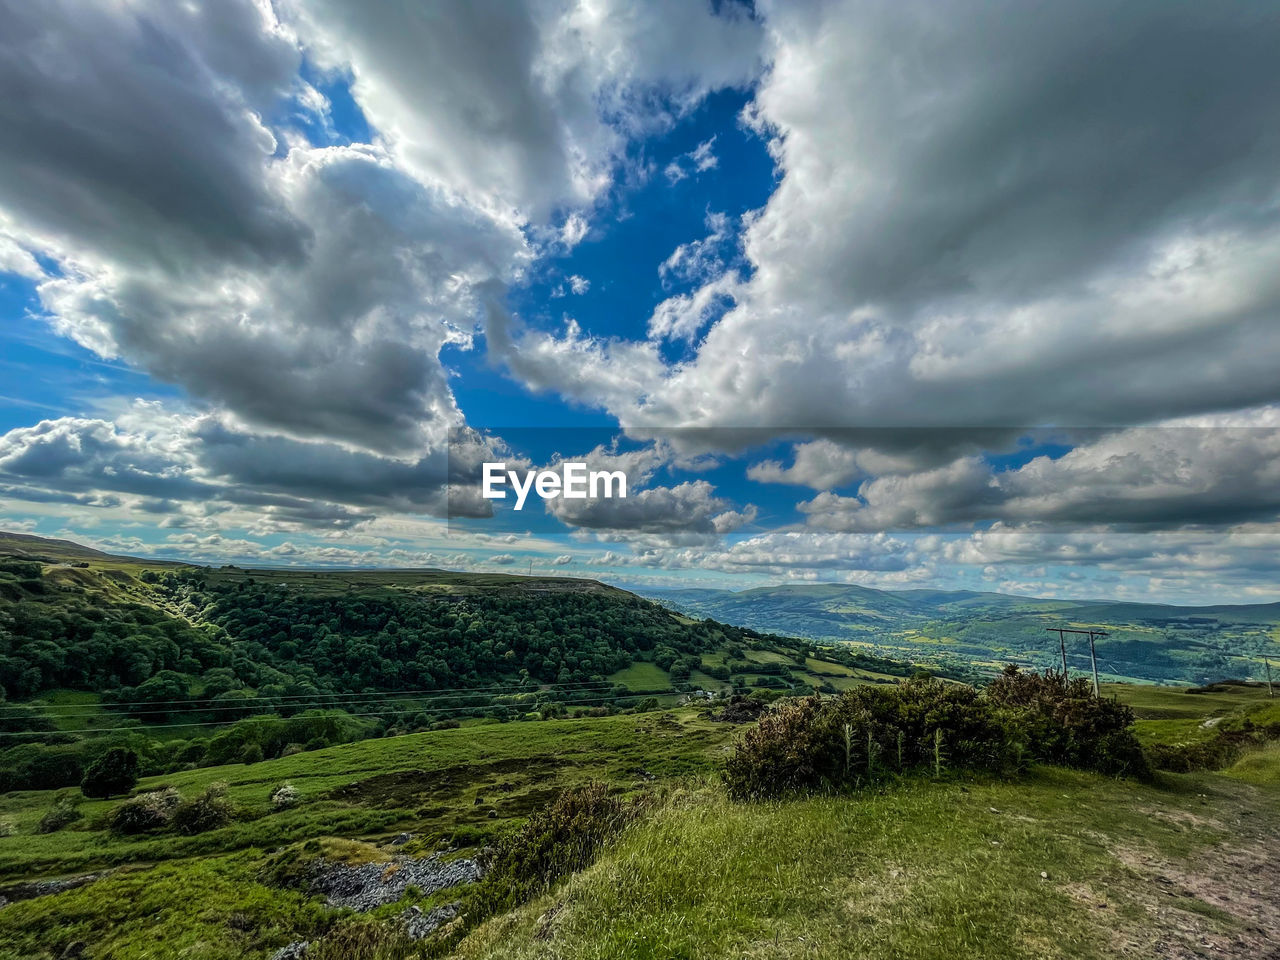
(78, 633)
(230, 667)
(116, 771)
(414, 641)
(1055, 719)
(873, 733)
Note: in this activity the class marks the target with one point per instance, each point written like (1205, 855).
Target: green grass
(923, 871)
(1260, 766)
(203, 909)
(88, 713)
(1151, 702)
(1171, 715)
(642, 675)
(425, 782)
(919, 870)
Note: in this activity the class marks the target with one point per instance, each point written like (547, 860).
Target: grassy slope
(922, 871)
(427, 782)
(1173, 715)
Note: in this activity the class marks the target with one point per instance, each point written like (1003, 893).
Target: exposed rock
(401, 839)
(29, 889)
(371, 885)
(293, 951)
(418, 925)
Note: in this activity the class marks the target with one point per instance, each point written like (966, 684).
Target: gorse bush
(1058, 720)
(284, 796)
(871, 733)
(209, 811)
(864, 735)
(145, 812)
(63, 813)
(167, 810)
(561, 839)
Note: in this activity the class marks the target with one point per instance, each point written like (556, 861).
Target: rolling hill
(189, 663)
(1146, 641)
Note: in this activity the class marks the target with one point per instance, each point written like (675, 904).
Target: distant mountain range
(1147, 641)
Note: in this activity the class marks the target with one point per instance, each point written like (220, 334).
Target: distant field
(1175, 715)
(643, 676)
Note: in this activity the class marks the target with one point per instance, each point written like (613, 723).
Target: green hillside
(1152, 642)
(1049, 863)
(193, 666)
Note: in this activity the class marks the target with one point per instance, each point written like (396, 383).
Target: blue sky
(850, 297)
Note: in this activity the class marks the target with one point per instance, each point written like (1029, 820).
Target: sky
(967, 295)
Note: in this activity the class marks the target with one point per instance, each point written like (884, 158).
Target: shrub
(553, 843)
(147, 811)
(209, 811)
(1057, 720)
(863, 735)
(61, 814)
(871, 732)
(781, 755)
(115, 772)
(283, 796)
(252, 753)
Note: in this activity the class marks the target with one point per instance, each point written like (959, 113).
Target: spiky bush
(870, 733)
(551, 844)
(209, 811)
(1058, 720)
(63, 813)
(284, 796)
(863, 735)
(146, 811)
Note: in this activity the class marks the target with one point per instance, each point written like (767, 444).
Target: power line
(264, 719)
(313, 696)
(363, 700)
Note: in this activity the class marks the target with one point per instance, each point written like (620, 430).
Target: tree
(116, 771)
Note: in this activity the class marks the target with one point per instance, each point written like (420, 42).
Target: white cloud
(527, 106)
(1063, 236)
(698, 160)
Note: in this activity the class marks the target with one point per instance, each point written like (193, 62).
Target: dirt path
(1221, 902)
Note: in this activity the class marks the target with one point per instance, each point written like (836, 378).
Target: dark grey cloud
(136, 130)
(1208, 475)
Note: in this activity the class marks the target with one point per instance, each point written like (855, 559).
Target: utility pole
(1093, 659)
(1093, 654)
(1270, 690)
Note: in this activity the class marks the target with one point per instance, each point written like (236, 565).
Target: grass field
(1047, 867)
(1175, 715)
(1056, 864)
